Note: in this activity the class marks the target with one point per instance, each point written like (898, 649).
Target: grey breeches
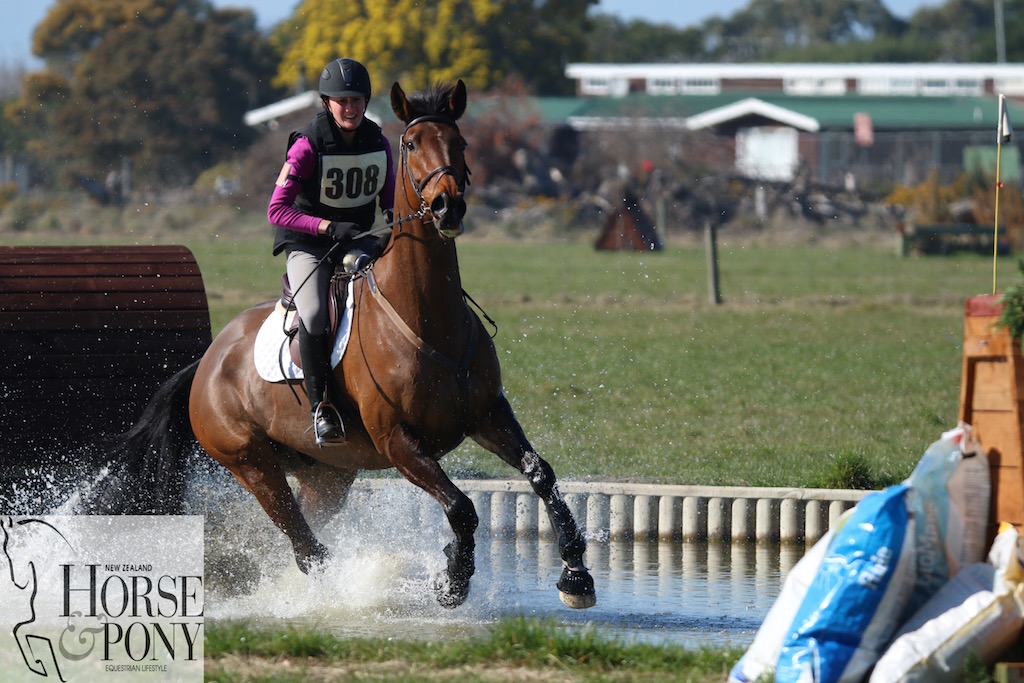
(311, 298)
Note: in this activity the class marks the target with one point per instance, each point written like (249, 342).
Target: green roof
(558, 108)
(831, 112)
(901, 113)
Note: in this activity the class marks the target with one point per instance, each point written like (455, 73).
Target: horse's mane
(435, 101)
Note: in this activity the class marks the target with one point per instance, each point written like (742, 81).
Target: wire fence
(906, 158)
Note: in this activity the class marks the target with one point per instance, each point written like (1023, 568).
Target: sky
(21, 17)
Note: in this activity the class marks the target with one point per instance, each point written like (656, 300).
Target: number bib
(351, 180)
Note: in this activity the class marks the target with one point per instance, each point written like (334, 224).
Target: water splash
(386, 546)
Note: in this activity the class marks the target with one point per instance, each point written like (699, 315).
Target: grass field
(816, 361)
(823, 366)
(516, 650)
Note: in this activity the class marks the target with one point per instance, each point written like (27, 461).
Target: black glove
(341, 230)
(389, 216)
(365, 244)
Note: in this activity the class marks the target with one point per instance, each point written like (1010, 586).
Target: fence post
(711, 250)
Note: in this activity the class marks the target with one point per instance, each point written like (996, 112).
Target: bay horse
(420, 374)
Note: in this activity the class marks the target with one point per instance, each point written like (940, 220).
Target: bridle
(447, 169)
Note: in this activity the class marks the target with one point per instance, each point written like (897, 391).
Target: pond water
(386, 551)
(387, 545)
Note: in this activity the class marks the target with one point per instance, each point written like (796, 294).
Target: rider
(336, 169)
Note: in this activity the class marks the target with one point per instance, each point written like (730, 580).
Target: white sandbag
(949, 503)
(978, 611)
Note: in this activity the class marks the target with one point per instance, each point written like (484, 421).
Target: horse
(420, 375)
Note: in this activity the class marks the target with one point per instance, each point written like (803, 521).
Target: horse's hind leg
(261, 473)
(501, 434)
(416, 464)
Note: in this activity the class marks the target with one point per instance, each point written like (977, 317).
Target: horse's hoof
(314, 561)
(578, 601)
(576, 588)
(450, 592)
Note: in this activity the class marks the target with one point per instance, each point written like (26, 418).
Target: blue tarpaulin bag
(854, 604)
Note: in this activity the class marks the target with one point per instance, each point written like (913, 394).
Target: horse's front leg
(416, 464)
(501, 434)
(263, 476)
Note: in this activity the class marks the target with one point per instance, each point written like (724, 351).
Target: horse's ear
(458, 99)
(399, 103)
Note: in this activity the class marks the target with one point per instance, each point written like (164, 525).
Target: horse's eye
(410, 145)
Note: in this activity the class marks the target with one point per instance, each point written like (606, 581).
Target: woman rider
(336, 169)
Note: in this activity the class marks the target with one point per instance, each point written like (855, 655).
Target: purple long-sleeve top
(301, 159)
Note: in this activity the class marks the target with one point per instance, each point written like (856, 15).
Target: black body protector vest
(346, 181)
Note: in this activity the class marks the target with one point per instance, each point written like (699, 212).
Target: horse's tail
(147, 465)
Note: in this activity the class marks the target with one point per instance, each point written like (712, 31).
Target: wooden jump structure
(990, 401)
(87, 334)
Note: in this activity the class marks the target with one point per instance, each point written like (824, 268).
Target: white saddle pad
(271, 355)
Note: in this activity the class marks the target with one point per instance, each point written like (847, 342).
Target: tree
(534, 40)
(766, 28)
(403, 40)
(1013, 17)
(43, 92)
(615, 41)
(162, 83)
(482, 42)
(958, 31)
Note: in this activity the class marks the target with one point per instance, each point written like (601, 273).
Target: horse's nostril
(460, 208)
(439, 207)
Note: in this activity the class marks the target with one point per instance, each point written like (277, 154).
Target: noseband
(448, 169)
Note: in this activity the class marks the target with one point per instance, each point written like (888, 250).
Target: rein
(290, 306)
(460, 370)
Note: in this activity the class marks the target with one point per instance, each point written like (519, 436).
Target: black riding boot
(316, 367)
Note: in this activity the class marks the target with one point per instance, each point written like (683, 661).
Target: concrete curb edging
(690, 513)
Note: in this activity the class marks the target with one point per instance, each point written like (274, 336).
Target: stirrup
(327, 431)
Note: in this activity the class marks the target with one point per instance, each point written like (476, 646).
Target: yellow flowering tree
(410, 41)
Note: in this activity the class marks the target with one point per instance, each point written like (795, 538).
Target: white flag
(1005, 129)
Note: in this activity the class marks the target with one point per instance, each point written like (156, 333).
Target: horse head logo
(18, 589)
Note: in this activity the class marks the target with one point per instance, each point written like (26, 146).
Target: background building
(837, 123)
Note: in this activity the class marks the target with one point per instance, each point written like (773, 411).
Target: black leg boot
(316, 367)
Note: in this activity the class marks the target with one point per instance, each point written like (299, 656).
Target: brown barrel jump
(87, 334)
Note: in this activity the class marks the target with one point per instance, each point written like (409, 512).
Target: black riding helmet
(345, 78)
